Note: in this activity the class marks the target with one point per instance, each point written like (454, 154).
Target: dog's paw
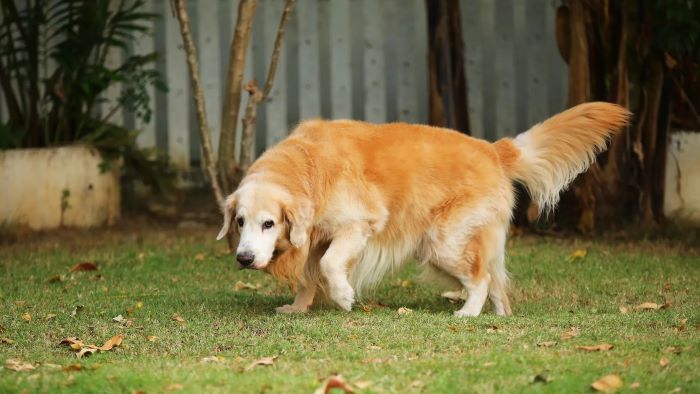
(344, 296)
(467, 313)
(291, 309)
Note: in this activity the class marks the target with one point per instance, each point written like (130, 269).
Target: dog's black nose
(245, 258)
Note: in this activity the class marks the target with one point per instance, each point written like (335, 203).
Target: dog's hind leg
(472, 263)
(347, 244)
(498, 289)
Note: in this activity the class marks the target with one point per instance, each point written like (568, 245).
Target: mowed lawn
(153, 278)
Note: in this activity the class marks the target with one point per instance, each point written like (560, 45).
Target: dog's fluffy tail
(546, 158)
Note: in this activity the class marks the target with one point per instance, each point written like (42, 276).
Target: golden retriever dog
(338, 204)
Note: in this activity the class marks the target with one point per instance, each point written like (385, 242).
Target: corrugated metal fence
(361, 59)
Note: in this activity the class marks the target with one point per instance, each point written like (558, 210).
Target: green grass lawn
(149, 278)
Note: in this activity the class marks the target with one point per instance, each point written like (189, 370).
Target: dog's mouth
(275, 254)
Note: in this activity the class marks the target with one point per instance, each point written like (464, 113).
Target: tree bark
(448, 83)
(204, 132)
(227, 165)
(256, 96)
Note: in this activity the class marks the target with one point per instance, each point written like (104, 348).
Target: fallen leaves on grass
(85, 350)
(84, 266)
(334, 382)
(363, 384)
(578, 254)
(596, 348)
(174, 387)
(540, 378)
(547, 344)
(245, 286)
(681, 325)
(212, 359)
(608, 384)
(77, 309)
(73, 368)
(664, 362)
(152, 338)
(50, 316)
(26, 317)
(177, 318)
(624, 309)
(570, 333)
(404, 311)
(56, 279)
(650, 306)
(635, 385)
(261, 362)
(199, 257)
(6, 340)
(18, 365)
(406, 284)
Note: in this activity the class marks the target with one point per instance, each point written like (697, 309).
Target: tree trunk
(448, 83)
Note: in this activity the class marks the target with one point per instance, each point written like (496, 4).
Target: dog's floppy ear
(228, 209)
(299, 215)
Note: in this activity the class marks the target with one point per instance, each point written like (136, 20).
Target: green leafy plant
(54, 73)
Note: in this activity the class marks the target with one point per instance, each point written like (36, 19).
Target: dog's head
(268, 220)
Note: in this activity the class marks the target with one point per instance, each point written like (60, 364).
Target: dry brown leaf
(88, 350)
(84, 266)
(608, 384)
(570, 333)
(20, 303)
(651, 306)
(26, 317)
(363, 384)
(547, 344)
(404, 311)
(624, 310)
(489, 364)
(374, 347)
(635, 385)
(212, 359)
(6, 340)
(152, 338)
(664, 362)
(73, 368)
(596, 348)
(199, 257)
(416, 384)
(174, 387)
(406, 284)
(681, 325)
(334, 382)
(262, 361)
(56, 279)
(18, 365)
(177, 318)
(50, 316)
(578, 254)
(367, 308)
(119, 319)
(112, 343)
(245, 286)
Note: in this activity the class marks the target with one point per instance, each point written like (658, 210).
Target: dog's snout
(245, 258)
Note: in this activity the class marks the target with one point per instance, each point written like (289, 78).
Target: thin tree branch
(256, 96)
(204, 132)
(232, 98)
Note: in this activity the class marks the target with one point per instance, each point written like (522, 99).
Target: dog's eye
(268, 224)
(240, 222)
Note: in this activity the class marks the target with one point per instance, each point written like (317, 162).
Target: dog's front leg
(346, 245)
(302, 301)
